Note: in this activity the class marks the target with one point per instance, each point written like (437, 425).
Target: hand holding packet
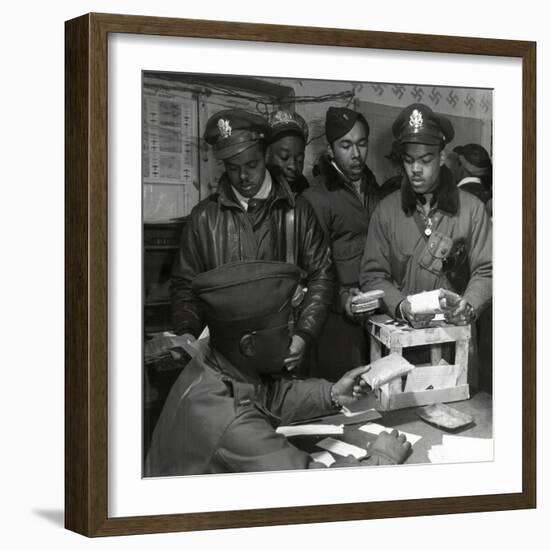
(366, 301)
(433, 301)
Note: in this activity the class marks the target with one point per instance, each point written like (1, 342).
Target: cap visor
(425, 139)
(229, 151)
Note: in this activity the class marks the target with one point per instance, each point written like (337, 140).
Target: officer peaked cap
(233, 131)
(417, 123)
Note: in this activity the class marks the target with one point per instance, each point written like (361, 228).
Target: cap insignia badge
(282, 117)
(416, 121)
(224, 128)
(345, 116)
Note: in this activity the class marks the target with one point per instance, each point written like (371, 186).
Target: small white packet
(425, 303)
(386, 369)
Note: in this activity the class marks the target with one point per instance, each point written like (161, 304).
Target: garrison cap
(287, 122)
(340, 121)
(474, 154)
(417, 123)
(247, 296)
(233, 131)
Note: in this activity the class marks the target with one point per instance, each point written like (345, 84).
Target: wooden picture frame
(86, 279)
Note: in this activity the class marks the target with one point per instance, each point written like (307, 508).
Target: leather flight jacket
(219, 231)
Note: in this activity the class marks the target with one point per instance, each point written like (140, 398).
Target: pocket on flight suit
(437, 247)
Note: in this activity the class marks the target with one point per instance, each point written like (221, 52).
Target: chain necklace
(427, 223)
(426, 215)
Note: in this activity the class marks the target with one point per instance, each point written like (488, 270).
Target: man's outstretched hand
(351, 386)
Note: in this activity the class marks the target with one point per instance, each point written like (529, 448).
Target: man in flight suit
(429, 234)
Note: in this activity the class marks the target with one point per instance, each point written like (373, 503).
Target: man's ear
(330, 151)
(247, 345)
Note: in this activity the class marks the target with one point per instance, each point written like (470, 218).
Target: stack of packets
(386, 369)
(366, 301)
(456, 448)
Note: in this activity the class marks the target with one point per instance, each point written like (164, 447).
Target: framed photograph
(184, 138)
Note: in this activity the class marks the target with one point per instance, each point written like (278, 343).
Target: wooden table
(480, 407)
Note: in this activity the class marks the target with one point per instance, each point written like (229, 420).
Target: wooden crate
(387, 336)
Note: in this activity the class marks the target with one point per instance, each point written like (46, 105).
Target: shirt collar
(357, 185)
(337, 168)
(263, 193)
(469, 179)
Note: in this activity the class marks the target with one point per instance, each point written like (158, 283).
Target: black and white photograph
(317, 274)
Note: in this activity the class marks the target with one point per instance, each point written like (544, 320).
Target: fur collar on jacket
(445, 194)
(334, 179)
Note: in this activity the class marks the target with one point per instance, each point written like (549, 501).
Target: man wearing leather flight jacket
(246, 219)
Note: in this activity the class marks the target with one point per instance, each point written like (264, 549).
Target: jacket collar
(445, 194)
(469, 179)
(262, 194)
(280, 191)
(335, 179)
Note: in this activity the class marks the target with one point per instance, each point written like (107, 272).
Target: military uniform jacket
(399, 260)
(218, 420)
(344, 215)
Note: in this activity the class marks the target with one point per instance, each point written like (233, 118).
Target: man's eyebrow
(351, 141)
(420, 157)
